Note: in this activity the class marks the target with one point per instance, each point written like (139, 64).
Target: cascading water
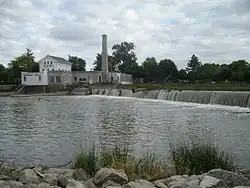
(228, 98)
(202, 97)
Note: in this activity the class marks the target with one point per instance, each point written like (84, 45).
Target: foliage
(78, 64)
(145, 166)
(98, 63)
(199, 156)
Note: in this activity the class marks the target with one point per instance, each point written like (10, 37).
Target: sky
(217, 31)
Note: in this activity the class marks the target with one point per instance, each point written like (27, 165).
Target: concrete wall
(34, 79)
(49, 64)
(91, 77)
(60, 78)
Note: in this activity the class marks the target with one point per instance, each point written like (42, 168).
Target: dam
(227, 98)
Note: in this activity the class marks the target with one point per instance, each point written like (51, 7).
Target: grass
(186, 158)
(199, 157)
(197, 87)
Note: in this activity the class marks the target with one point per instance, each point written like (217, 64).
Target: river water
(52, 130)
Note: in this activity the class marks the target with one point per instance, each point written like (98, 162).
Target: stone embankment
(111, 178)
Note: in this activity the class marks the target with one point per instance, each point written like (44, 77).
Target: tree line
(123, 59)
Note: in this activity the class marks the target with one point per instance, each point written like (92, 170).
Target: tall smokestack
(104, 54)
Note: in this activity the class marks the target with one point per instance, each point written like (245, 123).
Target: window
(112, 78)
(47, 62)
(43, 69)
(80, 79)
(51, 62)
(84, 79)
(58, 78)
(52, 79)
(24, 78)
(99, 79)
(75, 78)
(39, 78)
(44, 62)
(47, 69)
(52, 69)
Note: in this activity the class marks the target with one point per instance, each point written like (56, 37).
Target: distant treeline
(123, 59)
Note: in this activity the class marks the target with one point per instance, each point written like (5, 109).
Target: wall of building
(91, 77)
(35, 78)
(60, 78)
(49, 64)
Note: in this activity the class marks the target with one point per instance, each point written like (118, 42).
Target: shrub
(199, 157)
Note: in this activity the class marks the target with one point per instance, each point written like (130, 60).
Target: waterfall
(126, 93)
(153, 94)
(228, 98)
(202, 97)
(138, 94)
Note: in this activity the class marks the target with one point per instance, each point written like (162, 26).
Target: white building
(53, 63)
(35, 78)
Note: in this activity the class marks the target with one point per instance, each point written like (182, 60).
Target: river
(52, 130)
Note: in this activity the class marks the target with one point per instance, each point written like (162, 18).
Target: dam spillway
(228, 98)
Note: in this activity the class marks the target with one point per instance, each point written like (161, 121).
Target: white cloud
(215, 30)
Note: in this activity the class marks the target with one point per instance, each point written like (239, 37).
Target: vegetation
(123, 59)
(199, 157)
(186, 158)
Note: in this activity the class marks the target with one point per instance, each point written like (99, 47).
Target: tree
(192, 66)
(124, 57)
(78, 64)
(208, 71)
(98, 63)
(167, 70)
(150, 67)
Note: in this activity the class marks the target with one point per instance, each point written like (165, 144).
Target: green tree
(208, 72)
(124, 57)
(150, 67)
(78, 64)
(98, 63)
(192, 66)
(167, 70)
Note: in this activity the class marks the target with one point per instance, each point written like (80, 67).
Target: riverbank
(14, 94)
(39, 177)
(196, 87)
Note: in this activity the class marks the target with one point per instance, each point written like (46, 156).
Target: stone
(43, 185)
(109, 184)
(75, 184)
(212, 182)
(30, 186)
(193, 177)
(178, 184)
(15, 184)
(230, 179)
(50, 178)
(89, 184)
(176, 178)
(242, 187)
(105, 174)
(159, 184)
(62, 175)
(4, 184)
(5, 178)
(193, 183)
(80, 175)
(139, 184)
(28, 176)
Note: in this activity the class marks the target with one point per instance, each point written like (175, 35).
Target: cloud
(217, 31)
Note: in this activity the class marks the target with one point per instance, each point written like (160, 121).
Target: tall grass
(199, 156)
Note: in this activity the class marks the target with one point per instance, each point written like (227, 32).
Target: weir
(228, 98)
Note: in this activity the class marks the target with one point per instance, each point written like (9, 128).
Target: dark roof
(60, 59)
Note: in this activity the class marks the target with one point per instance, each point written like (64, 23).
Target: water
(51, 131)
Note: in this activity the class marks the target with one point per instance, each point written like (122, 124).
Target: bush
(199, 157)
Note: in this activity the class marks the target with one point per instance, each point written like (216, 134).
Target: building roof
(60, 59)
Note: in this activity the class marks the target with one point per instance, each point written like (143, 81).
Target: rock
(139, 184)
(177, 178)
(114, 187)
(50, 178)
(4, 184)
(231, 179)
(5, 178)
(30, 186)
(193, 183)
(80, 175)
(193, 177)
(105, 174)
(159, 184)
(178, 184)
(43, 185)
(75, 184)
(28, 176)
(242, 187)
(212, 182)
(110, 184)
(89, 184)
(15, 184)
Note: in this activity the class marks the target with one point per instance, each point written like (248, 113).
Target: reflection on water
(50, 131)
